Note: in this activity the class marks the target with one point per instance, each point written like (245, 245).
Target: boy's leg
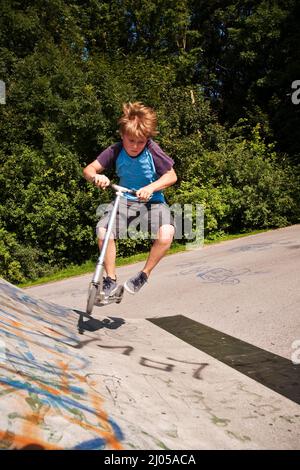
(110, 257)
(158, 250)
(160, 223)
(160, 247)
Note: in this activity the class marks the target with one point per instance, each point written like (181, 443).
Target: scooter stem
(100, 262)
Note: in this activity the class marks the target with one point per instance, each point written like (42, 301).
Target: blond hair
(138, 120)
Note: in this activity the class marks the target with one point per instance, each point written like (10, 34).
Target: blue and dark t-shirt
(137, 172)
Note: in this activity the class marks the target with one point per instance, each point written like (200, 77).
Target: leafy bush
(242, 186)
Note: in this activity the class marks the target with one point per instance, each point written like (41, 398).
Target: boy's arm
(91, 174)
(105, 160)
(163, 182)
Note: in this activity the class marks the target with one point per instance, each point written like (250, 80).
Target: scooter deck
(115, 298)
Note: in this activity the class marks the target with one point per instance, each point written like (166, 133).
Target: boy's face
(133, 145)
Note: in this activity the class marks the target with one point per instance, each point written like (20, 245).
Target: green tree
(218, 74)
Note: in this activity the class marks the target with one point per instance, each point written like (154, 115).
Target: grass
(89, 266)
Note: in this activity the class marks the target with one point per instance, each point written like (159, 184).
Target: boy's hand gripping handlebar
(120, 190)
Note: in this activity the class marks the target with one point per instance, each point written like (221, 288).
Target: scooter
(95, 294)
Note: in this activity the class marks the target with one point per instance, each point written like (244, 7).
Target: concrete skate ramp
(63, 390)
(124, 384)
(48, 395)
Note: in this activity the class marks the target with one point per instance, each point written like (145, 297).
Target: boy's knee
(166, 234)
(101, 234)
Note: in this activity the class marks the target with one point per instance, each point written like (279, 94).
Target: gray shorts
(136, 219)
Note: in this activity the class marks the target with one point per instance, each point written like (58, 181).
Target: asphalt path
(248, 288)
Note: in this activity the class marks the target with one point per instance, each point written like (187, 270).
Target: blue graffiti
(92, 444)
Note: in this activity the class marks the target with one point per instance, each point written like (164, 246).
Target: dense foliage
(219, 75)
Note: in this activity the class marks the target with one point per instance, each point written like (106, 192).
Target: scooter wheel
(91, 298)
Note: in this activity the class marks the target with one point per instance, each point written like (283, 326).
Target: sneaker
(135, 283)
(109, 286)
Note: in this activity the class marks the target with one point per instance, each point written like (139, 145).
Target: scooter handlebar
(121, 189)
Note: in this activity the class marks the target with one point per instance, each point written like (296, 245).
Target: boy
(141, 165)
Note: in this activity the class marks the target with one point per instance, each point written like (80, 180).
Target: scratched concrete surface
(128, 384)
